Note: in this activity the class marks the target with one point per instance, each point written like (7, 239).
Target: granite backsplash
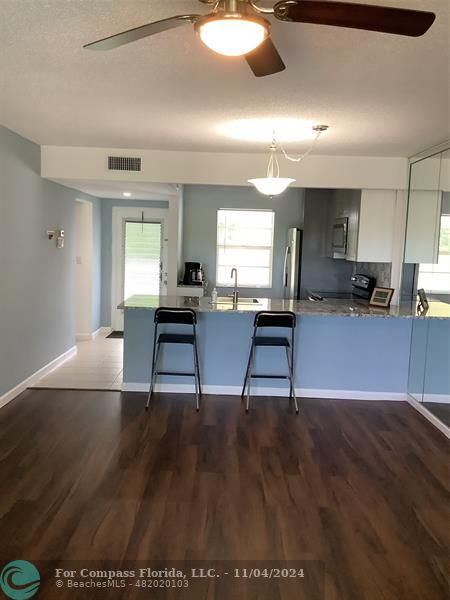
(381, 271)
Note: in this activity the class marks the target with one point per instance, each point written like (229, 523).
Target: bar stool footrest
(176, 373)
(269, 376)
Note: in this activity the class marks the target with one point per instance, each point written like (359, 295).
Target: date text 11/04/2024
(250, 573)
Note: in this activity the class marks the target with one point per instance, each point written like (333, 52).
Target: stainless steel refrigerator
(293, 264)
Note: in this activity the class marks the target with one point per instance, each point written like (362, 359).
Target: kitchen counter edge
(333, 308)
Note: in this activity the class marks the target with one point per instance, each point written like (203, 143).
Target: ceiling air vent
(124, 163)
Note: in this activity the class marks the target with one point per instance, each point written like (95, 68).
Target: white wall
(355, 172)
(83, 269)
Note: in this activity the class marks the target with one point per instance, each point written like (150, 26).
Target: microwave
(339, 238)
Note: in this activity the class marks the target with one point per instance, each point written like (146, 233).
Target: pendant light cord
(300, 157)
(273, 167)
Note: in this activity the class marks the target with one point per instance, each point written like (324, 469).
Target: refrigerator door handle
(285, 273)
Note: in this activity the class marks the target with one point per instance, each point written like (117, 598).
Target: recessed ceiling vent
(124, 163)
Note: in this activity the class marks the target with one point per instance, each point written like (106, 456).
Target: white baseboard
(84, 337)
(438, 398)
(87, 337)
(224, 390)
(429, 416)
(30, 381)
(103, 330)
(351, 395)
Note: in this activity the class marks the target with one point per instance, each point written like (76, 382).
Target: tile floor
(97, 365)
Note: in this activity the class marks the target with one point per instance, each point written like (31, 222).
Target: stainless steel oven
(339, 238)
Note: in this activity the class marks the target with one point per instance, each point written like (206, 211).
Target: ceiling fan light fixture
(232, 35)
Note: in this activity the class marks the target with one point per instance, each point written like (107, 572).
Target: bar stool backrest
(184, 316)
(275, 319)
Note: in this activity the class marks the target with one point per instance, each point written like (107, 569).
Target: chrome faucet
(235, 294)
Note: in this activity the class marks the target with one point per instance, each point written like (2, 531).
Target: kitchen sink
(229, 300)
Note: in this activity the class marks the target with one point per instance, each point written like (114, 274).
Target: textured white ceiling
(381, 95)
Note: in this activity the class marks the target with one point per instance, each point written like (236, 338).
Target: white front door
(139, 265)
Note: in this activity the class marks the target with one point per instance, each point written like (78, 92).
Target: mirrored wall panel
(427, 267)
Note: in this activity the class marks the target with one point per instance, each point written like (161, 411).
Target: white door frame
(84, 248)
(119, 216)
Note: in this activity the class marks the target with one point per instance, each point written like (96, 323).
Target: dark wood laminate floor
(361, 487)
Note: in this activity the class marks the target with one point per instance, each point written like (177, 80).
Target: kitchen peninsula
(344, 349)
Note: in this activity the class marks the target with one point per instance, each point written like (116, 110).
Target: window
(436, 277)
(245, 241)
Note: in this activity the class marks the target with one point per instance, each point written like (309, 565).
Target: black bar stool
(180, 316)
(285, 319)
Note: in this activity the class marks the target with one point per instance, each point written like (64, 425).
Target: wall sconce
(58, 234)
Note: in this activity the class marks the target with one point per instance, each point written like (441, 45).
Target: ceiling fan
(238, 27)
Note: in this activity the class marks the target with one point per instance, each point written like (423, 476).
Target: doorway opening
(139, 257)
(142, 273)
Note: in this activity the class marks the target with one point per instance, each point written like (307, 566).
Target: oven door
(339, 236)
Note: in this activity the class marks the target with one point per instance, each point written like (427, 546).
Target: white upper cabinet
(376, 226)
(371, 223)
(424, 212)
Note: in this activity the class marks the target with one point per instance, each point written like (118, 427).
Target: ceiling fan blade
(265, 60)
(356, 16)
(137, 33)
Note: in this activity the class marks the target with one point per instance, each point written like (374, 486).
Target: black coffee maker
(193, 274)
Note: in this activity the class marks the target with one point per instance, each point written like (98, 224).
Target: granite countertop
(331, 307)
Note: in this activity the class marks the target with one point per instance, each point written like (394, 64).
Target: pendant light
(273, 184)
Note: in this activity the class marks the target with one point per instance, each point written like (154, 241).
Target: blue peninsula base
(336, 356)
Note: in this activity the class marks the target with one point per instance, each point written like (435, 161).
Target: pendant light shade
(271, 186)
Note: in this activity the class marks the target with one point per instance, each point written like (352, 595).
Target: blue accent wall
(429, 372)
(332, 353)
(437, 366)
(37, 294)
(201, 203)
(418, 355)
